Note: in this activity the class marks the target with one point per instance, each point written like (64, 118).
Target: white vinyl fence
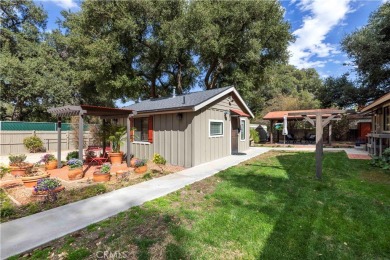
(11, 142)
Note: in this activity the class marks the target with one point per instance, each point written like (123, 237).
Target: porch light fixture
(179, 116)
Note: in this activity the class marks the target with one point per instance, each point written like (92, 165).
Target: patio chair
(310, 138)
(290, 138)
(98, 160)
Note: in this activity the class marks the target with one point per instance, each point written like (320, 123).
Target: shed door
(234, 136)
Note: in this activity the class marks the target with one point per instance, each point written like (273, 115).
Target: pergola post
(81, 134)
(128, 140)
(330, 133)
(104, 136)
(271, 135)
(319, 125)
(319, 147)
(59, 142)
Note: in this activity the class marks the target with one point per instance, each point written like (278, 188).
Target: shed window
(141, 129)
(216, 128)
(243, 129)
(386, 118)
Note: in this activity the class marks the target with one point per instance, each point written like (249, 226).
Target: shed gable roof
(191, 101)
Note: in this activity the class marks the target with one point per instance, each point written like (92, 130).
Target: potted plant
(31, 178)
(48, 187)
(117, 137)
(140, 166)
(50, 161)
(103, 174)
(18, 166)
(75, 169)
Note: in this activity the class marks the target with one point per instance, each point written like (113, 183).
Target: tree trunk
(208, 74)
(179, 78)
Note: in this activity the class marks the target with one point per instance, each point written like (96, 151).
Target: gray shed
(191, 129)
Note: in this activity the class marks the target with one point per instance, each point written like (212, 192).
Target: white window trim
(243, 119)
(140, 142)
(223, 128)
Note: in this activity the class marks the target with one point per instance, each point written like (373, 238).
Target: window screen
(243, 130)
(216, 128)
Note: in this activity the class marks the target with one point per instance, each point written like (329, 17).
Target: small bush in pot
(140, 166)
(18, 166)
(103, 174)
(15, 160)
(34, 144)
(75, 163)
(49, 187)
(75, 169)
(50, 161)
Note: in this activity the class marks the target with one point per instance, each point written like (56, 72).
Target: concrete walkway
(26, 233)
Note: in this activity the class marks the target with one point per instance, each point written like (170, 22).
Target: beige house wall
(186, 141)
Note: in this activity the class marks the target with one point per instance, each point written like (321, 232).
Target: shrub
(3, 170)
(158, 159)
(72, 155)
(105, 168)
(34, 144)
(254, 135)
(382, 162)
(16, 159)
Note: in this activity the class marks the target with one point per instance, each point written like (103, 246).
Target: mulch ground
(21, 195)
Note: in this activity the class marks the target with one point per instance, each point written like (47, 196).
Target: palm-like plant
(117, 137)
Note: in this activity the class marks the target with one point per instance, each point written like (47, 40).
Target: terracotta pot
(20, 170)
(132, 162)
(75, 174)
(31, 181)
(101, 177)
(141, 169)
(51, 165)
(116, 158)
(56, 190)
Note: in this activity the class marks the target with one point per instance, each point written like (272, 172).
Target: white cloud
(66, 4)
(310, 37)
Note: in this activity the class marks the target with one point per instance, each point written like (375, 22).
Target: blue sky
(319, 26)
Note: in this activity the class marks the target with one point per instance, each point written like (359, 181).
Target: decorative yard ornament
(285, 131)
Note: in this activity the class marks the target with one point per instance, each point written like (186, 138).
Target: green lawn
(270, 207)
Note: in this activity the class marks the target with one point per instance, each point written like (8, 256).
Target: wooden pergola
(88, 110)
(299, 115)
(319, 124)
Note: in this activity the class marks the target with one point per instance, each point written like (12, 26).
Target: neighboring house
(379, 138)
(191, 129)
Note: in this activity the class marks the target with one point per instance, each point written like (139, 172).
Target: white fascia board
(211, 100)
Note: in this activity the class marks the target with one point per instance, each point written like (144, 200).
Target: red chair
(99, 160)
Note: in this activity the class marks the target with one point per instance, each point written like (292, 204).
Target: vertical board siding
(172, 139)
(210, 148)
